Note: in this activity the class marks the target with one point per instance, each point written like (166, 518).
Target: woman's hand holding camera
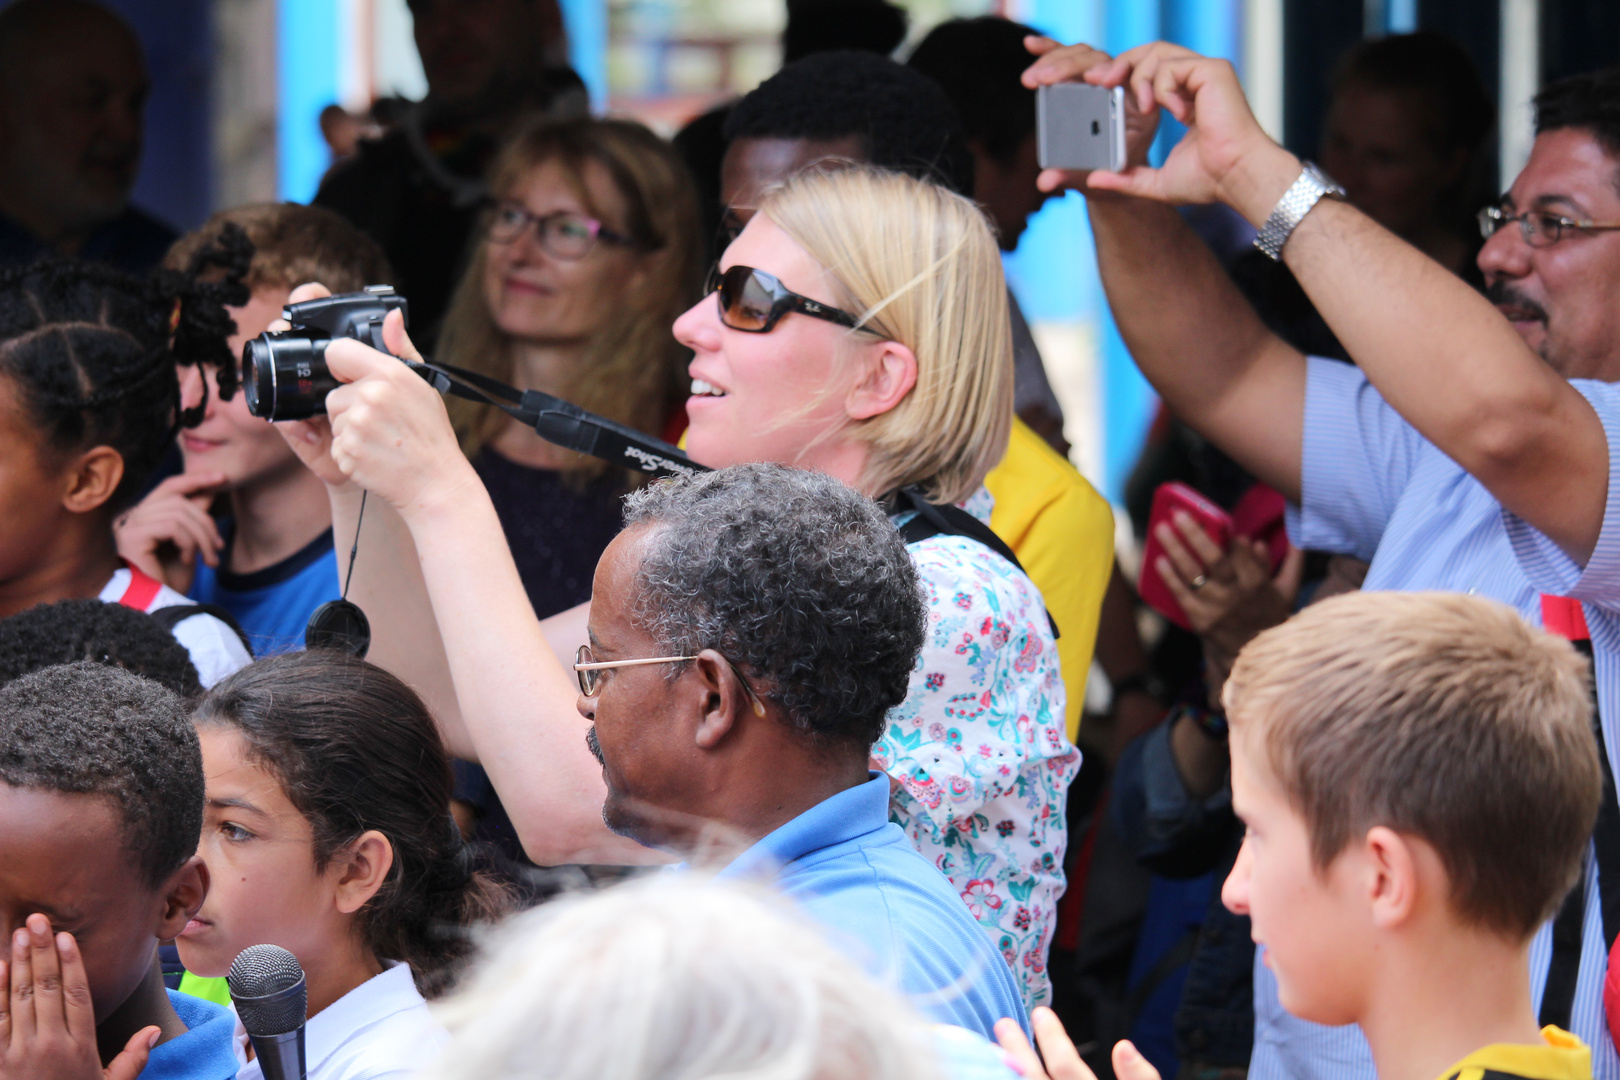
(386, 429)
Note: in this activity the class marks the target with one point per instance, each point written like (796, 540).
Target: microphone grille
(267, 987)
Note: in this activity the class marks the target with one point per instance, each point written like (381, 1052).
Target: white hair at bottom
(674, 977)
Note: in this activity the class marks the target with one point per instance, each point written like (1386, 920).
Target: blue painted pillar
(308, 35)
(1128, 400)
(587, 23)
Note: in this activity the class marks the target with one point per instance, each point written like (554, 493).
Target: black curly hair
(113, 634)
(1589, 101)
(356, 749)
(904, 120)
(92, 351)
(978, 62)
(796, 578)
(90, 729)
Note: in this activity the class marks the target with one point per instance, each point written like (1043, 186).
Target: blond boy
(270, 562)
(1418, 778)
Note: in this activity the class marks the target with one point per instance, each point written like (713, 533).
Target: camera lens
(284, 375)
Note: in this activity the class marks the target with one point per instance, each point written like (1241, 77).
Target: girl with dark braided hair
(89, 403)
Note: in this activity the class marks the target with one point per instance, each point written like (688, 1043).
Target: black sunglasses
(754, 302)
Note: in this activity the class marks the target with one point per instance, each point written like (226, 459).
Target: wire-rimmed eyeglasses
(586, 668)
(1538, 227)
(563, 233)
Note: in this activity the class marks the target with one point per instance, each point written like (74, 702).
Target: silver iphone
(1080, 127)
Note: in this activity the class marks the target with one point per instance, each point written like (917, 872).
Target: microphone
(272, 1000)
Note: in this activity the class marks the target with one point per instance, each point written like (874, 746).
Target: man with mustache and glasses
(1470, 450)
(73, 85)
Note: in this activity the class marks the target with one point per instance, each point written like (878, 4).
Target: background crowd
(841, 679)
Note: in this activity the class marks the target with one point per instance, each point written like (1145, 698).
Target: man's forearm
(516, 700)
(1196, 338)
(1446, 360)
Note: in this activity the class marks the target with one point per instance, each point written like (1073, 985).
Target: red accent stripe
(142, 590)
(1562, 615)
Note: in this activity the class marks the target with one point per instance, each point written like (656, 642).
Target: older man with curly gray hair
(749, 630)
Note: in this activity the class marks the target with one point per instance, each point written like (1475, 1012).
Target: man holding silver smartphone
(1470, 450)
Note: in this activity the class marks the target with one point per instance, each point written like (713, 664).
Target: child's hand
(1062, 1060)
(48, 1026)
(170, 529)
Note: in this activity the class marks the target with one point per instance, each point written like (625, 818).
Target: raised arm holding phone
(1470, 448)
(1432, 346)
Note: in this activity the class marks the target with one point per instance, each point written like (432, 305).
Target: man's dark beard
(595, 747)
(1503, 294)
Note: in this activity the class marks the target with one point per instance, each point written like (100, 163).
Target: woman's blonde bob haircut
(918, 264)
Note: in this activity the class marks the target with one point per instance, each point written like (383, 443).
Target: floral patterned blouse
(978, 751)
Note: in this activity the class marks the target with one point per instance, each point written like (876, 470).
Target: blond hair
(919, 265)
(633, 369)
(674, 977)
(1438, 715)
(293, 245)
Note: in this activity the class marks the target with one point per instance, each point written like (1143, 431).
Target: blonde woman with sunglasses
(859, 327)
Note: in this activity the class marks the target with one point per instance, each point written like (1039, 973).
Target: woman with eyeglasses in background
(588, 250)
(858, 326)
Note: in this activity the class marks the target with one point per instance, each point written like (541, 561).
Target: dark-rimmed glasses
(563, 233)
(587, 666)
(1539, 228)
(754, 302)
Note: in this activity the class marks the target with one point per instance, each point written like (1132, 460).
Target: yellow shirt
(1063, 533)
(1561, 1057)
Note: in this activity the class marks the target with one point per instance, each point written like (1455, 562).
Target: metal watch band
(1291, 209)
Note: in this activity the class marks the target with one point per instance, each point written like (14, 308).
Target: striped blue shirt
(1374, 488)
(887, 908)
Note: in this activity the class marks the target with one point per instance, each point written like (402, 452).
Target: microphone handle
(281, 1057)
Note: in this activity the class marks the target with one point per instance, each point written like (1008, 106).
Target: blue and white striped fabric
(1376, 489)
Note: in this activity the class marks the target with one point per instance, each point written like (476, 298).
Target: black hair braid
(92, 351)
(198, 297)
(355, 749)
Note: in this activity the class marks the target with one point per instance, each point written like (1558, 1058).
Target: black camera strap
(1563, 616)
(573, 428)
(563, 423)
(935, 519)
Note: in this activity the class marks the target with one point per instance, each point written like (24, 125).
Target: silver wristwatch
(1291, 209)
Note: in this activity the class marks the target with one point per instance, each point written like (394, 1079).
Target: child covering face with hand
(101, 792)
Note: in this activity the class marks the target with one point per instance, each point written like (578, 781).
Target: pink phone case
(1217, 523)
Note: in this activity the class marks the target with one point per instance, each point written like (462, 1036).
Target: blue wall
(1054, 270)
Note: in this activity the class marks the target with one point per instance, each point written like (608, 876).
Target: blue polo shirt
(207, 1051)
(1373, 487)
(888, 908)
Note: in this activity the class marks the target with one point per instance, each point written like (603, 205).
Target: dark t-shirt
(556, 529)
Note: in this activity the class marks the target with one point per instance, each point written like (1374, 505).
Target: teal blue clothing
(888, 908)
(207, 1051)
(272, 605)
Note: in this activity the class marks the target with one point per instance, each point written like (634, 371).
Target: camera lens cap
(339, 624)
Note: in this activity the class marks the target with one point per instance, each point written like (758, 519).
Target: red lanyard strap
(142, 589)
